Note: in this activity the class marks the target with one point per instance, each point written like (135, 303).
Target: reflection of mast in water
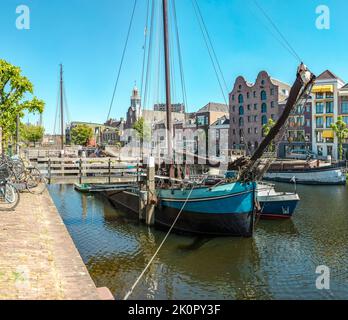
(84, 206)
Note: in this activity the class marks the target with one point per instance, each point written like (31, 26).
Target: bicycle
(23, 175)
(9, 195)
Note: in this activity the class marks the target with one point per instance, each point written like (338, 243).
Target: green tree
(31, 133)
(143, 132)
(266, 129)
(81, 134)
(341, 131)
(16, 97)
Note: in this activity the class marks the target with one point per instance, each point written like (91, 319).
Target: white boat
(276, 205)
(315, 176)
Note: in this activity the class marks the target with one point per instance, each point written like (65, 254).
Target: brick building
(251, 106)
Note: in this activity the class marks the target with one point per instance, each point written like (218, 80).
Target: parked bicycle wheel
(9, 197)
(36, 182)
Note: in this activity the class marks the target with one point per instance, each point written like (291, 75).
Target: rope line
(159, 248)
(122, 59)
(194, 3)
(145, 46)
(211, 45)
(182, 75)
(290, 47)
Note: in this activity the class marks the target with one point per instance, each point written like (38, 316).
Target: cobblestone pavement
(38, 259)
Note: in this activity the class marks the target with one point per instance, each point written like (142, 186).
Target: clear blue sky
(87, 36)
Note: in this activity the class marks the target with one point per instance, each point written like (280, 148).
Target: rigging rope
(145, 45)
(182, 75)
(122, 59)
(56, 117)
(194, 3)
(159, 248)
(211, 44)
(149, 60)
(289, 46)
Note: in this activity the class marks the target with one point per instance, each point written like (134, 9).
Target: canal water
(280, 262)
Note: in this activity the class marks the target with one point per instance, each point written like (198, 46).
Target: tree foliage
(341, 131)
(31, 133)
(16, 97)
(81, 134)
(143, 130)
(266, 130)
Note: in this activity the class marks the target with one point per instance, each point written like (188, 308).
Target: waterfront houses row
(239, 126)
(309, 127)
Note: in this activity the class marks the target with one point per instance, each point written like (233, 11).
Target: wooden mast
(61, 107)
(167, 77)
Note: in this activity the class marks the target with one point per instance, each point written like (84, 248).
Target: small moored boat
(276, 205)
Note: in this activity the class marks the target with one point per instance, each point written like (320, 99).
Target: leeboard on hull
(309, 176)
(226, 210)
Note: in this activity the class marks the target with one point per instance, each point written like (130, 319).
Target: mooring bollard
(151, 192)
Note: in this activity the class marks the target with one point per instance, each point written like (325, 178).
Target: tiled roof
(222, 121)
(327, 74)
(215, 107)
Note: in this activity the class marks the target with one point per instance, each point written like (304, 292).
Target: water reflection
(278, 263)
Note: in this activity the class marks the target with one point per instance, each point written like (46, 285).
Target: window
(329, 95)
(249, 107)
(263, 82)
(320, 122)
(319, 107)
(308, 107)
(264, 108)
(248, 95)
(308, 123)
(255, 106)
(249, 119)
(344, 107)
(320, 151)
(256, 131)
(300, 121)
(202, 120)
(241, 110)
(329, 107)
(255, 118)
(273, 117)
(264, 120)
(241, 122)
(272, 92)
(240, 98)
(249, 130)
(263, 95)
(329, 122)
(234, 132)
(234, 108)
(319, 137)
(232, 97)
(345, 119)
(254, 94)
(272, 104)
(319, 95)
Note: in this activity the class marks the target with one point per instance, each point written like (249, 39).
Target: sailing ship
(226, 209)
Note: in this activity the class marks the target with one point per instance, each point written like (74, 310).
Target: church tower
(134, 112)
(136, 102)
